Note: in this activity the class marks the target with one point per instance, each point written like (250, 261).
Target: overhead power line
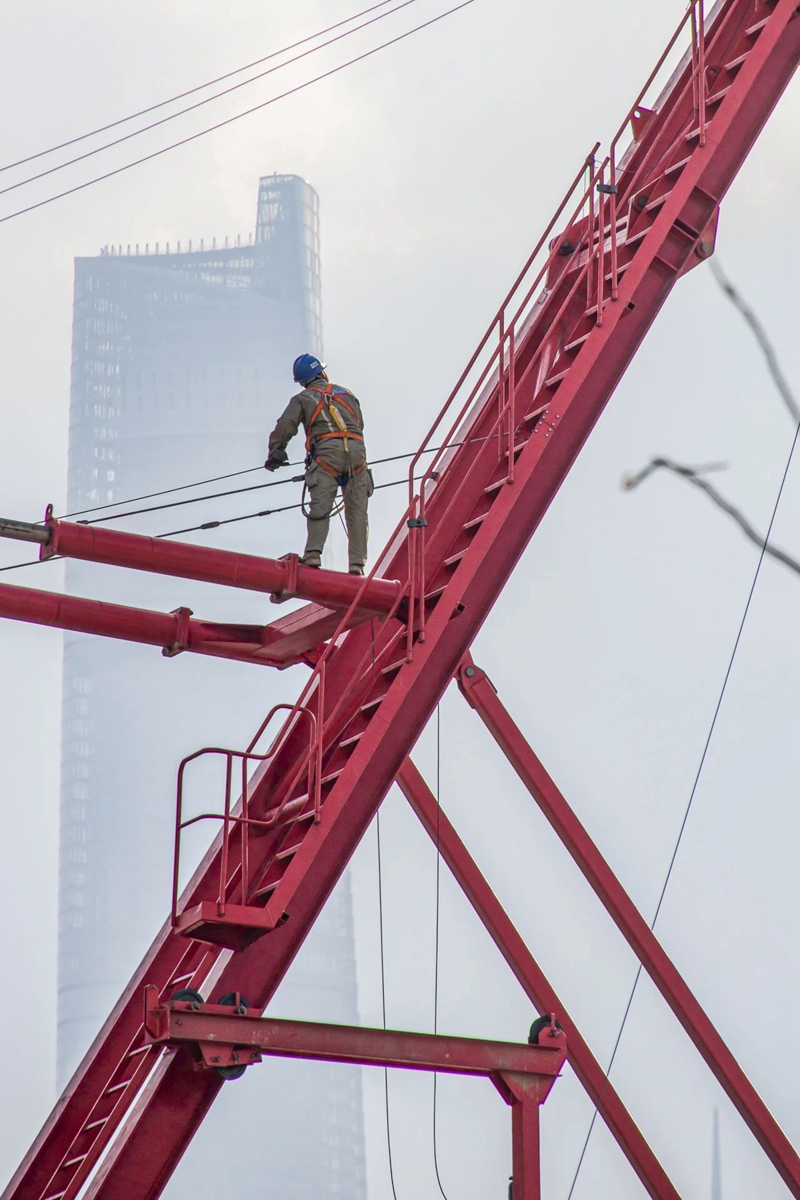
(70, 162)
(201, 87)
(238, 116)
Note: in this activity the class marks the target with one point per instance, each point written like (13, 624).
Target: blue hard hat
(306, 367)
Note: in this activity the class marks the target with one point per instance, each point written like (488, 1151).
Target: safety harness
(331, 397)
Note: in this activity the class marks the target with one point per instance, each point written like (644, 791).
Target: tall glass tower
(177, 353)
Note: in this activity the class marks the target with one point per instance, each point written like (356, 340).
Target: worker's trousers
(323, 489)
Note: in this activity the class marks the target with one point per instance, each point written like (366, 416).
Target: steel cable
(142, 112)
(237, 116)
(436, 951)
(126, 137)
(376, 462)
(778, 377)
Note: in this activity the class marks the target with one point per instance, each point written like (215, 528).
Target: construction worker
(336, 458)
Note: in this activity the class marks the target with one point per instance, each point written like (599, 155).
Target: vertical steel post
(525, 1151)
(601, 246)
(226, 830)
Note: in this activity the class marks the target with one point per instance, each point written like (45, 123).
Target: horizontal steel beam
(283, 578)
(182, 1022)
(173, 632)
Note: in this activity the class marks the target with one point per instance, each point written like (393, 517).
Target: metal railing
(241, 820)
(491, 377)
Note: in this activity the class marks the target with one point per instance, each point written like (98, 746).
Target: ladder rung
(556, 379)
(142, 1049)
(535, 415)
(348, 743)
(717, 96)
(754, 30)
(454, 559)
(495, 487)
(371, 704)
(118, 1087)
(578, 342)
(392, 667)
(56, 1195)
(435, 593)
(334, 775)
(474, 524)
(180, 979)
(735, 63)
(94, 1125)
(652, 205)
(677, 167)
(73, 1162)
(264, 890)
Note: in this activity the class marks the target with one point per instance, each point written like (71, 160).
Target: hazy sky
(437, 164)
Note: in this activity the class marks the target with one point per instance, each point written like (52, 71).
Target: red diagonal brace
(482, 696)
(534, 982)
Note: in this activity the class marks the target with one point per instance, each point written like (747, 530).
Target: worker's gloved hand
(278, 458)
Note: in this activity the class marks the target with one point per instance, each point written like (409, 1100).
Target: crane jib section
(632, 222)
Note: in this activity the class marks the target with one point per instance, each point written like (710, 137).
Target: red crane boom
(628, 227)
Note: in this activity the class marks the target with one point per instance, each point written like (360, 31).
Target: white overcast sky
(437, 164)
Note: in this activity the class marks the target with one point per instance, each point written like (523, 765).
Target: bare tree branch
(693, 475)
(761, 337)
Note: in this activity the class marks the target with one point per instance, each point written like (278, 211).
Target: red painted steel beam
(534, 982)
(478, 526)
(282, 578)
(483, 698)
(525, 1140)
(280, 644)
(475, 579)
(215, 1025)
(174, 632)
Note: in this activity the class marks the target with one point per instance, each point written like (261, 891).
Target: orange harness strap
(328, 397)
(336, 475)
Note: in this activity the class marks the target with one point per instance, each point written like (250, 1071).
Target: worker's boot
(357, 570)
(311, 560)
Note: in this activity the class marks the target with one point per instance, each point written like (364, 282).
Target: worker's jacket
(300, 411)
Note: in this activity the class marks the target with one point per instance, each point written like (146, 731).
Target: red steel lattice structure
(630, 225)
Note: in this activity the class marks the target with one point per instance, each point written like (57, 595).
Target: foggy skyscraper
(174, 351)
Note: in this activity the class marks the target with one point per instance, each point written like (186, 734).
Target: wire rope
(376, 462)
(383, 999)
(267, 512)
(142, 112)
(436, 950)
(238, 116)
(695, 783)
(126, 137)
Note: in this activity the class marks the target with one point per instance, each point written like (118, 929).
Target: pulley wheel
(536, 1028)
(188, 996)
(237, 1071)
